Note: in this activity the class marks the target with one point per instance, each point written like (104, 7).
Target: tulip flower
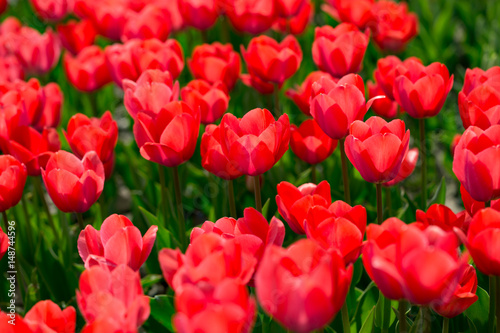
(112, 297)
(255, 142)
(302, 287)
(108, 18)
(473, 206)
(481, 107)
(377, 148)
(476, 155)
(463, 296)
(383, 107)
(13, 175)
(407, 167)
(421, 91)
(38, 53)
(271, 61)
(168, 137)
(4, 245)
(394, 26)
(175, 18)
(477, 77)
(211, 100)
(118, 242)
(252, 16)
(215, 62)
(297, 23)
(87, 71)
(10, 69)
(265, 88)
(287, 8)
(340, 50)
(151, 22)
(310, 143)
(385, 74)
(74, 185)
(52, 105)
(441, 216)
(28, 97)
(201, 15)
(401, 259)
(153, 90)
(52, 10)
(358, 13)
(302, 94)
(76, 35)
(482, 241)
(3, 6)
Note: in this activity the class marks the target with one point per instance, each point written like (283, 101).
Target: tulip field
(249, 166)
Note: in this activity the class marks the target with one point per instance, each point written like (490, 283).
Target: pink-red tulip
(265, 88)
(10, 69)
(441, 216)
(52, 105)
(169, 136)
(255, 142)
(482, 241)
(151, 22)
(454, 143)
(109, 18)
(287, 8)
(383, 107)
(302, 94)
(297, 23)
(310, 143)
(252, 16)
(13, 175)
(74, 184)
(481, 107)
(38, 53)
(76, 35)
(211, 99)
(385, 74)
(477, 77)
(52, 10)
(87, 71)
(377, 148)
(199, 14)
(358, 13)
(407, 167)
(473, 206)
(3, 6)
(303, 287)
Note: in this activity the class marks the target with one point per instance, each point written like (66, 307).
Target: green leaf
(439, 196)
(150, 218)
(368, 324)
(150, 280)
(163, 238)
(162, 309)
(383, 318)
(265, 208)
(478, 312)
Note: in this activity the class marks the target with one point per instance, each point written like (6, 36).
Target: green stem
(27, 221)
(345, 318)
(81, 224)
(93, 103)
(402, 317)
(388, 201)
(204, 36)
(425, 320)
(180, 209)
(256, 188)
(313, 173)
(161, 175)
(5, 221)
(101, 207)
(380, 211)
(423, 153)
(38, 186)
(276, 93)
(446, 325)
(230, 194)
(345, 174)
(493, 294)
(387, 313)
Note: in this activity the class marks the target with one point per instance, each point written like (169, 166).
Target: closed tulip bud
(92, 134)
(216, 62)
(477, 77)
(476, 155)
(297, 23)
(112, 299)
(52, 10)
(340, 50)
(481, 107)
(109, 19)
(252, 16)
(310, 143)
(255, 142)
(265, 88)
(211, 100)
(377, 148)
(272, 61)
(385, 74)
(76, 35)
(158, 135)
(74, 185)
(87, 71)
(421, 91)
(407, 167)
(199, 14)
(13, 175)
(151, 22)
(302, 287)
(153, 90)
(28, 98)
(441, 216)
(10, 69)
(118, 242)
(384, 107)
(287, 8)
(51, 112)
(358, 13)
(38, 53)
(393, 25)
(302, 94)
(482, 241)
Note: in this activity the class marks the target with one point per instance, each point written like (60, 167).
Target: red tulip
(3, 6)
(213, 158)
(472, 206)
(287, 8)
(463, 297)
(482, 241)
(88, 70)
(383, 107)
(209, 260)
(340, 50)
(115, 297)
(52, 105)
(13, 176)
(421, 91)
(377, 148)
(52, 10)
(151, 22)
(168, 137)
(153, 90)
(252, 16)
(176, 21)
(481, 107)
(199, 14)
(118, 242)
(74, 185)
(302, 94)
(477, 77)
(402, 260)
(211, 100)
(108, 18)
(265, 88)
(358, 13)
(215, 62)
(394, 26)
(325, 84)
(4, 246)
(441, 216)
(32, 148)
(310, 143)
(303, 287)
(476, 155)
(271, 61)
(407, 167)
(92, 134)
(76, 35)
(38, 53)
(28, 97)
(385, 74)
(255, 142)
(10, 69)
(297, 23)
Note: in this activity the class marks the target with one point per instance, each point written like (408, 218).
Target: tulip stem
(345, 318)
(380, 211)
(345, 174)
(230, 194)
(180, 209)
(81, 224)
(446, 325)
(402, 317)
(491, 315)
(28, 221)
(161, 175)
(5, 221)
(313, 173)
(276, 93)
(38, 186)
(93, 103)
(204, 36)
(388, 201)
(423, 153)
(256, 188)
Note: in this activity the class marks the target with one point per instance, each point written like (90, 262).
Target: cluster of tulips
(221, 273)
